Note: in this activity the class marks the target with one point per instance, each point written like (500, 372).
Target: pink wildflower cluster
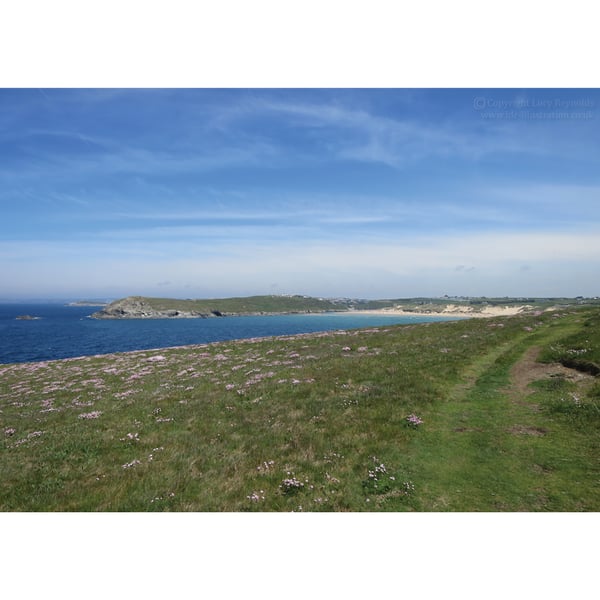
(80, 404)
(258, 377)
(91, 415)
(408, 487)
(30, 436)
(95, 382)
(378, 480)
(10, 431)
(379, 470)
(291, 484)
(577, 351)
(296, 381)
(48, 406)
(256, 496)
(158, 498)
(414, 420)
(265, 466)
(151, 455)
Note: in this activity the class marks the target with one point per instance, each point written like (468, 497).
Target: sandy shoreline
(465, 312)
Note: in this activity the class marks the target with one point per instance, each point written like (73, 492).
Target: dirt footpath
(526, 370)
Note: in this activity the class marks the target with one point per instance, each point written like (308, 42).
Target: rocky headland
(140, 308)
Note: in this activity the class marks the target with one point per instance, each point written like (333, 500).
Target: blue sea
(67, 331)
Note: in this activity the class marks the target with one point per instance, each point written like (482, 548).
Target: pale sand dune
(453, 310)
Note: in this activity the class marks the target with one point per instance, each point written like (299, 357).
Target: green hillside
(250, 304)
(143, 307)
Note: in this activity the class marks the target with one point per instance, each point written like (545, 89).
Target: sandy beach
(452, 310)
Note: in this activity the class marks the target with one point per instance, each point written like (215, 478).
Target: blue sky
(363, 193)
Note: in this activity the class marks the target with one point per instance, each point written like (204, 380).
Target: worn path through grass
(487, 447)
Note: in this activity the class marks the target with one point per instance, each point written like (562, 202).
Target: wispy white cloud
(137, 161)
(393, 141)
(490, 260)
(554, 196)
(325, 218)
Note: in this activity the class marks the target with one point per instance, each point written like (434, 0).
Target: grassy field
(248, 304)
(454, 416)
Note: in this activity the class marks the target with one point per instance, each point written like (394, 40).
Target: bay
(67, 331)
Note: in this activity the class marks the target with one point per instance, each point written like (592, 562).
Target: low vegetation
(426, 417)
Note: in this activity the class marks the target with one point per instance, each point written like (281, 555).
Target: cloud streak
(422, 261)
(394, 142)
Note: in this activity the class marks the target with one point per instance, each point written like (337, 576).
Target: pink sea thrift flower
(92, 415)
(291, 484)
(256, 496)
(414, 420)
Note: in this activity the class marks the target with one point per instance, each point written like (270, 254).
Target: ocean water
(67, 331)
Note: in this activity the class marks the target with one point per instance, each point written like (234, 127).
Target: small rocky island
(27, 318)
